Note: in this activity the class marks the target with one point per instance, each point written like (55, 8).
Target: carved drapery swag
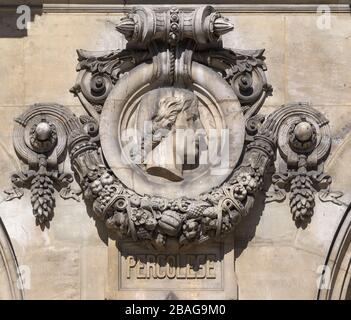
(171, 53)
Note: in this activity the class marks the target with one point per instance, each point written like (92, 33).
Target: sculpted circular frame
(214, 94)
(183, 79)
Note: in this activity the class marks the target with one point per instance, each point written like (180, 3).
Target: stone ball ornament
(40, 130)
(43, 136)
(43, 131)
(303, 136)
(303, 131)
(172, 145)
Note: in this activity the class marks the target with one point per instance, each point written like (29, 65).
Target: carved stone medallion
(146, 140)
(173, 148)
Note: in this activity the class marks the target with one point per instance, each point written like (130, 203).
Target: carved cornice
(224, 8)
(311, 8)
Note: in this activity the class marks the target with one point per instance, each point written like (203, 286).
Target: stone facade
(273, 257)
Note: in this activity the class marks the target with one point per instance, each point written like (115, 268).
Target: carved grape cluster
(103, 189)
(191, 230)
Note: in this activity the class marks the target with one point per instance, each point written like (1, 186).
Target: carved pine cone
(195, 211)
(42, 199)
(301, 198)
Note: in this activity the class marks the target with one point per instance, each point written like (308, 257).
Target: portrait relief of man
(173, 144)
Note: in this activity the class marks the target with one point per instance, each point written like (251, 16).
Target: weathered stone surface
(284, 272)
(248, 34)
(319, 57)
(55, 259)
(12, 66)
(60, 52)
(304, 63)
(93, 271)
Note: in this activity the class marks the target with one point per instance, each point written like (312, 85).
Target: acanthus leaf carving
(99, 72)
(244, 71)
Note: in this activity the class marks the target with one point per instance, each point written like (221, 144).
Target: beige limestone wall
(274, 258)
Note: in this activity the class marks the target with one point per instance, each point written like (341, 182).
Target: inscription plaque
(203, 272)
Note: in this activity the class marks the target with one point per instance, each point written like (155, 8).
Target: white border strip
(234, 8)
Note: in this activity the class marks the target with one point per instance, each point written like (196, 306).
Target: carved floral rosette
(173, 59)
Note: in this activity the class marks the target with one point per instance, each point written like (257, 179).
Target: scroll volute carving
(244, 71)
(99, 72)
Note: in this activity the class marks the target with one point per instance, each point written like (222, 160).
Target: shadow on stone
(100, 225)
(246, 230)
